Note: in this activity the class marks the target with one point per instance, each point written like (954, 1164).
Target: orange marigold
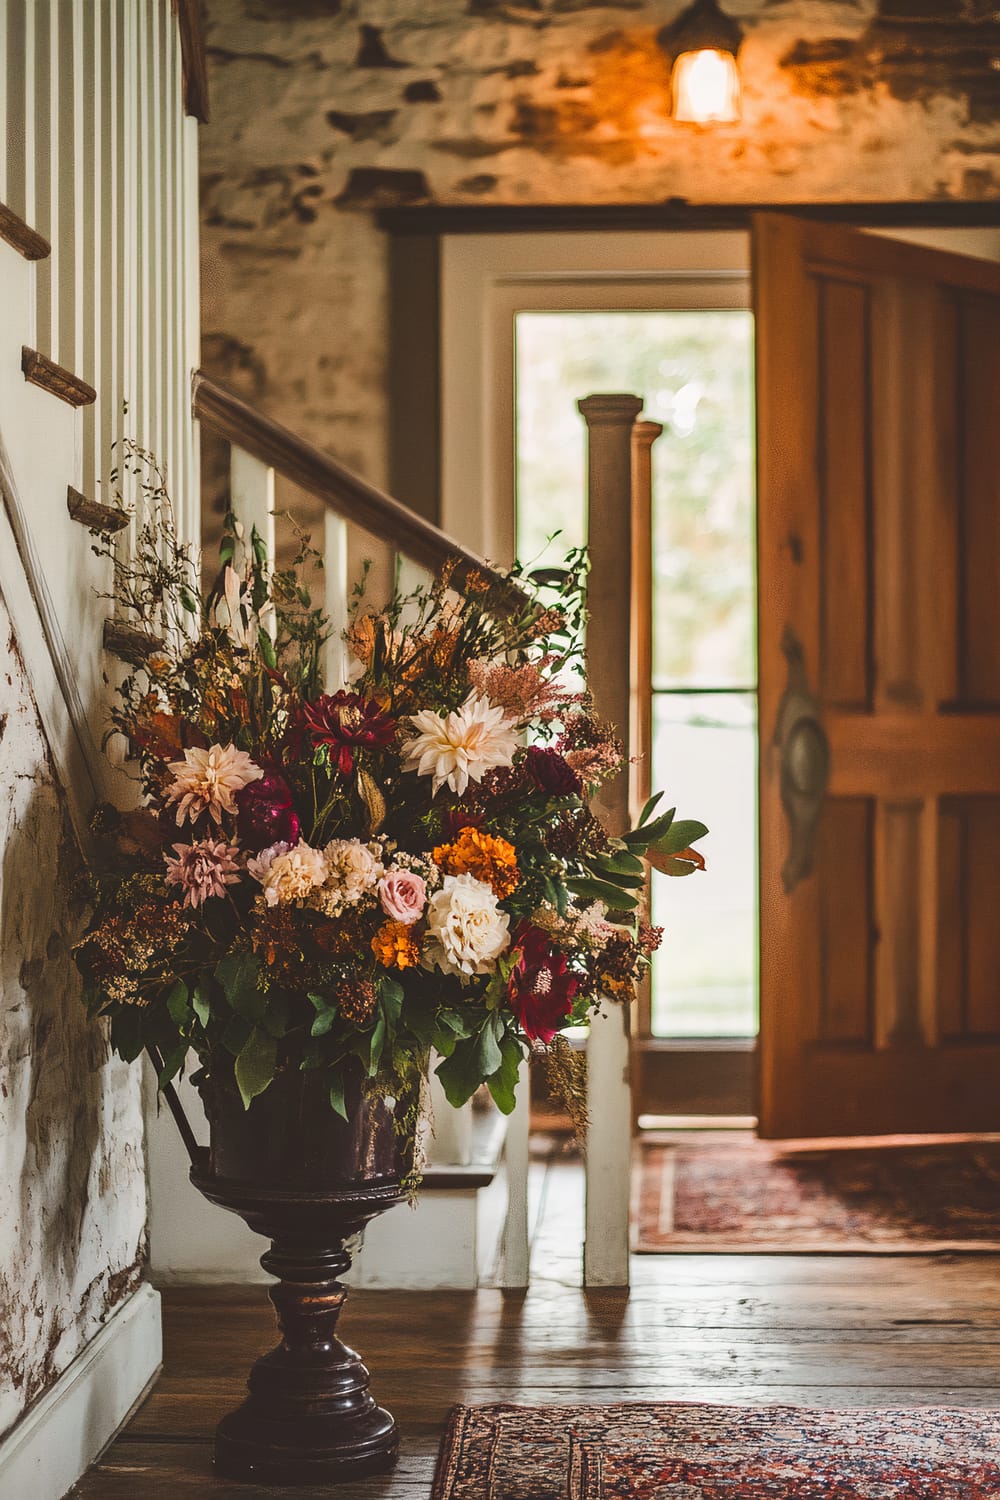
(395, 947)
(491, 860)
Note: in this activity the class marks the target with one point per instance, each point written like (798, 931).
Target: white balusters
(337, 576)
(515, 1258)
(251, 491)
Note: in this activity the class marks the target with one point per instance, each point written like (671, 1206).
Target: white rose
(467, 931)
(353, 869)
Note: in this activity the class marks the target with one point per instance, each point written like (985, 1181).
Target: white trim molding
(59, 1437)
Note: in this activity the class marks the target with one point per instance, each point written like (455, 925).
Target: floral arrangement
(346, 880)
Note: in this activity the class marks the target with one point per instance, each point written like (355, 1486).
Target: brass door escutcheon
(805, 763)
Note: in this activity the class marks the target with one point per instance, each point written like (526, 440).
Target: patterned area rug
(697, 1452)
(730, 1192)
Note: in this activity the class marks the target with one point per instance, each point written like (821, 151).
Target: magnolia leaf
(684, 862)
(680, 835)
(602, 890)
(372, 797)
(654, 799)
(641, 838)
(255, 1065)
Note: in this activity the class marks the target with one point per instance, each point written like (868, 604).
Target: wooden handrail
(230, 417)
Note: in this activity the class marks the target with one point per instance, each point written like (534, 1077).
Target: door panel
(878, 373)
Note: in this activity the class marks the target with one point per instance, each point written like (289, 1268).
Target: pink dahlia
(203, 869)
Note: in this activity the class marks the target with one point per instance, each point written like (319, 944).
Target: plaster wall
(72, 1178)
(324, 109)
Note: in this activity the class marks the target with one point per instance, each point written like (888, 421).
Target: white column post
(515, 1260)
(609, 648)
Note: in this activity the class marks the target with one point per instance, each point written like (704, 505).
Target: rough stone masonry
(324, 109)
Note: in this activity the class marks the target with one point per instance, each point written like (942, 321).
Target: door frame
(457, 275)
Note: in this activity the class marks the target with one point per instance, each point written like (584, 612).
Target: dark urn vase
(308, 1181)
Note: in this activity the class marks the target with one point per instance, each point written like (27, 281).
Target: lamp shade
(706, 87)
(702, 44)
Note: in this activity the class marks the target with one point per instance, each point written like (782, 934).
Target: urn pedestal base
(309, 1417)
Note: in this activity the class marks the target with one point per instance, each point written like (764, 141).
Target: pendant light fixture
(702, 44)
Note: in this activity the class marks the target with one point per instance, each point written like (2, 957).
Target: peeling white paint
(72, 1177)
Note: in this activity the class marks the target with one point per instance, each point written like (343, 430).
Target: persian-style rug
(698, 1452)
(731, 1192)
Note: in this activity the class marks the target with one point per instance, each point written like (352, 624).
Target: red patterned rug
(729, 1192)
(696, 1452)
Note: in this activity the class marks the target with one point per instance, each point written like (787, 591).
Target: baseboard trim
(59, 1437)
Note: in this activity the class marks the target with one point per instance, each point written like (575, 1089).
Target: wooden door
(878, 389)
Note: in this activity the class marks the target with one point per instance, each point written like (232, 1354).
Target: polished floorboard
(821, 1330)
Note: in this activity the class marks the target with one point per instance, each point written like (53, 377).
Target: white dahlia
(467, 931)
(460, 746)
(208, 780)
(352, 868)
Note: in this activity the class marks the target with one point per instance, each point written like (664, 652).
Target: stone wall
(72, 1179)
(324, 109)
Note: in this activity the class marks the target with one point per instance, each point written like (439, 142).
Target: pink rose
(403, 895)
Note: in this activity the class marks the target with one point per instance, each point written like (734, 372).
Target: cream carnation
(208, 780)
(352, 869)
(293, 876)
(467, 931)
(460, 746)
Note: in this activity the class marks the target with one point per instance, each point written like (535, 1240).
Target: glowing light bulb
(706, 87)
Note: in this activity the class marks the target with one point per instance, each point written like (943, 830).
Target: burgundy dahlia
(347, 722)
(540, 990)
(550, 773)
(265, 814)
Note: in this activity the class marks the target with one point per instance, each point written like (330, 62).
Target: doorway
(693, 367)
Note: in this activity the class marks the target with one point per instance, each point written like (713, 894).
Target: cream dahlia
(460, 746)
(208, 780)
(467, 931)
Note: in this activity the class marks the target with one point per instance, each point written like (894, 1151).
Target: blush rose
(403, 895)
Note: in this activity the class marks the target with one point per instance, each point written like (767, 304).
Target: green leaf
(235, 1034)
(255, 1065)
(680, 836)
(337, 1101)
(266, 646)
(259, 547)
(323, 1022)
(654, 799)
(460, 1073)
(600, 890)
(172, 1064)
(642, 837)
(621, 863)
(200, 1005)
(503, 1082)
(178, 1008)
(127, 1033)
(488, 1054)
(377, 1043)
(391, 998)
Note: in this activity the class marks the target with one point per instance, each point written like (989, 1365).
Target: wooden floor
(819, 1330)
